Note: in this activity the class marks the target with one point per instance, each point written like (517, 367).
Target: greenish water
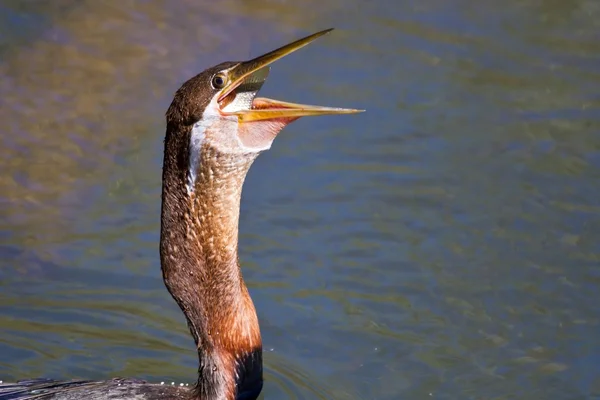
(444, 244)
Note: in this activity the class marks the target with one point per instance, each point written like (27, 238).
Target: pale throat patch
(197, 138)
(224, 132)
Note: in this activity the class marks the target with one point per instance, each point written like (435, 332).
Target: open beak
(245, 80)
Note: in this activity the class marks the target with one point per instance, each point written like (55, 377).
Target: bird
(216, 127)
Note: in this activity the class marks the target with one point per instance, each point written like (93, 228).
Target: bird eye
(218, 81)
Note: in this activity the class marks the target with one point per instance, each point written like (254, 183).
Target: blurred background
(444, 244)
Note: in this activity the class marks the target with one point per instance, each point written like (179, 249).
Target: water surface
(444, 244)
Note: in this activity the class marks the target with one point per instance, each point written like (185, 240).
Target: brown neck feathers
(198, 252)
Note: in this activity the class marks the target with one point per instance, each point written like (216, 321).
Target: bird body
(215, 129)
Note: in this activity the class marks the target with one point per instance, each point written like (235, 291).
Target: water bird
(215, 129)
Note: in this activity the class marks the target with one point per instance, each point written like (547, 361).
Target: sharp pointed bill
(253, 71)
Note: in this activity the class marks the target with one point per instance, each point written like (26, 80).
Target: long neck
(198, 251)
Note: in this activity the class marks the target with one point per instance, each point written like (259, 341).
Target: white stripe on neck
(196, 141)
(210, 115)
